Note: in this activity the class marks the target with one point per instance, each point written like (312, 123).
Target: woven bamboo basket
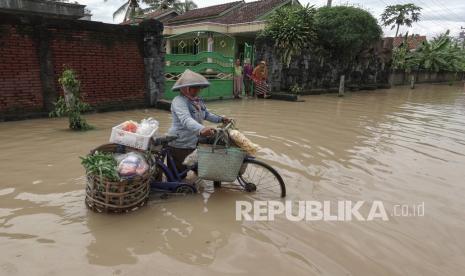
(122, 196)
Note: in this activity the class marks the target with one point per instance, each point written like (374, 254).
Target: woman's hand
(207, 131)
(226, 120)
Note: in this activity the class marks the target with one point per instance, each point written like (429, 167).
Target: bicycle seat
(163, 140)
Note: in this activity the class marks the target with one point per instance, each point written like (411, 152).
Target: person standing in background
(248, 70)
(260, 77)
(238, 79)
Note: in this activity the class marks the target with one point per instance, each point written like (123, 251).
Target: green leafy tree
(71, 104)
(441, 54)
(292, 29)
(405, 59)
(181, 6)
(400, 15)
(130, 9)
(345, 31)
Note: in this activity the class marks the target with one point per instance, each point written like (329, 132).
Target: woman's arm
(211, 117)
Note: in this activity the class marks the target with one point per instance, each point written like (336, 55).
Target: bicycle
(252, 174)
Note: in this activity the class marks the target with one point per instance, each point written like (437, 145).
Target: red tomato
(130, 127)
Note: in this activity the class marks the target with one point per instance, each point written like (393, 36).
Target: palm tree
(178, 5)
(400, 15)
(130, 10)
(187, 5)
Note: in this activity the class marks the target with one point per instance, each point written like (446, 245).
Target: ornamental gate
(208, 53)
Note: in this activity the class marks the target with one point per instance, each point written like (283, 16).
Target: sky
(437, 15)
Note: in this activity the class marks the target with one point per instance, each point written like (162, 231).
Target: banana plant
(441, 54)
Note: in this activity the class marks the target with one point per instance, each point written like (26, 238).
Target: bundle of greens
(101, 164)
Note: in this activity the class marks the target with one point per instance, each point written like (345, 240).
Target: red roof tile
(413, 42)
(157, 13)
(202, 13)
(249, 12)
(160, 15)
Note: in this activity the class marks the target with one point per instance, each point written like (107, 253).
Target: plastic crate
(134, 140)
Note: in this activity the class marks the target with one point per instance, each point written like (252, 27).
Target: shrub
(292, 29)
(345, 31)
(71, 104)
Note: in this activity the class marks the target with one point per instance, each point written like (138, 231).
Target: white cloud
(103, 10)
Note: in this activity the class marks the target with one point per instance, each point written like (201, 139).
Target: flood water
(398, 146)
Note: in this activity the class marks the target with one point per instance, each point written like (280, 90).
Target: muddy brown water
(398, 146)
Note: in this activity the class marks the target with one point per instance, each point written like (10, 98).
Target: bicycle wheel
(261, 179)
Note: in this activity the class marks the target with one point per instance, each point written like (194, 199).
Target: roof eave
(211, 17)
(277, 7)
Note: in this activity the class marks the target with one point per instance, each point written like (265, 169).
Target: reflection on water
(400, 146)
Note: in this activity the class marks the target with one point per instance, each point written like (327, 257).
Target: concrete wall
(56, 9)
(119, 66)
(402, 78)
(311, 71)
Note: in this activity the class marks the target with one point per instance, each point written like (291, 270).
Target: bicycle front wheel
(261, 179)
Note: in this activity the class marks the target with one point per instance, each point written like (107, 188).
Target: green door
(216, 66)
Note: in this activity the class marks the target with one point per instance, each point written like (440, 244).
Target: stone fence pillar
(154, 59)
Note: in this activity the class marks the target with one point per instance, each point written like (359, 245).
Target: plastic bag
(191, 159)
(131, 164)
(243, 142)
(146, 126)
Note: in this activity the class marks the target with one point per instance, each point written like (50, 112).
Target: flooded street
(398, 146)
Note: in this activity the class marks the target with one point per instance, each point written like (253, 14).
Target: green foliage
(131, 8)
(292, 29)
(181, 6)
(403, 59)
(400, 15)
(345, 31)
(68, 79)
(74, 106)
(101, 164)
(296, 89)
(440, 54)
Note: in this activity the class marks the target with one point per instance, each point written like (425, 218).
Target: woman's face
(190, 91)
(194, 91)
(238, 62)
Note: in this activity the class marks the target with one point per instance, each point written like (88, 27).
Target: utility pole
(462, 36)
(330, 3)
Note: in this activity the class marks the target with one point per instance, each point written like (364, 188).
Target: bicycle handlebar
(228, 126)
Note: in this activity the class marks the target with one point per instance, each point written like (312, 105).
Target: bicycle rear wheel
(261, 179)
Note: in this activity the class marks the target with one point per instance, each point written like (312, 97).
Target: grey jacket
(187, 122)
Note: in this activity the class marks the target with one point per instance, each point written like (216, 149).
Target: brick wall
(110, 61)
(20, 85)
(109, 74)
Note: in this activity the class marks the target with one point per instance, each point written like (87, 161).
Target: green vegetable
(101, 164)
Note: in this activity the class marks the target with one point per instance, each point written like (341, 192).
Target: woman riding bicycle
(189, 112)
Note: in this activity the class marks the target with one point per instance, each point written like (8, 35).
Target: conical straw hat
(190, 79)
